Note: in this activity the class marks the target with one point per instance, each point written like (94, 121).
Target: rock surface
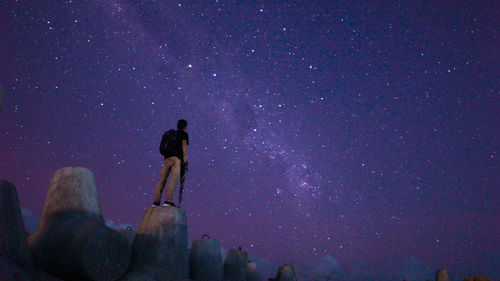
(1, 97)
(72, 194)
(253, 275)
(72, 240)
(12, 271)
(482, 277)
(285, 273)
(13, 237)
(235, 265)
(160, 247)
(442, 275)
(205, 261)
(136, 276)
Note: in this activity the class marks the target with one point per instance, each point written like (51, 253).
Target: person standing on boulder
(173, 148)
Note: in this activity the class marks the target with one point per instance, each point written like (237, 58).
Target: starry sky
(365, 134)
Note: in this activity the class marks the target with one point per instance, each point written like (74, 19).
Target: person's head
(182, 124)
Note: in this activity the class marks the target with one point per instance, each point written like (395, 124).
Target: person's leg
(161, 181)
(175, 164)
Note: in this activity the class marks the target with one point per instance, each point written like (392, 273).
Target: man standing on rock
(173, 147)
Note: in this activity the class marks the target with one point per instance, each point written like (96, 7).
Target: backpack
(169, 144)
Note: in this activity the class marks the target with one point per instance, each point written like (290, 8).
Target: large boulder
(160, 247)
(235, 265)
(72, 240)
(13, 237)
(205, 261)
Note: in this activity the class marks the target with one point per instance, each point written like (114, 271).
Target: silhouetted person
(173, 148)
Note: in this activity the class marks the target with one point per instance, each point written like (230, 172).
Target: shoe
(155, 204)
(171, 204)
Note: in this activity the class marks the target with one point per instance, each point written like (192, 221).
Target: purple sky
(364, 132)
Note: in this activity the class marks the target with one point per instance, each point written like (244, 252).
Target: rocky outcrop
(72, 240)
(13, 237)
(442, 275)
(160, 247)
(235, 265)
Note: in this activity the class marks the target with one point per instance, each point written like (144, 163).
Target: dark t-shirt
(181, 135)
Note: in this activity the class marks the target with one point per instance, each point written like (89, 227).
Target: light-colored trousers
(172, 166)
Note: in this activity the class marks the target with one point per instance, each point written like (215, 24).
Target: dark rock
(9, 270)
(442, 275)
(72, 240)
(12, 271)
(82, 248)
(160, 247)
(13, 238)
(1, 97)
(129, 236)
(136, 276)
(469, 278)
(31, 221)
(205, 261)
(253, 275)
(482, 277)
(235, 265)
(285, 273)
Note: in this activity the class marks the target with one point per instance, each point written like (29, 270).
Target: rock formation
(235, 265)
(72, 240)
(13, 238)
(442, 275)
(160, 247)
(205, 261)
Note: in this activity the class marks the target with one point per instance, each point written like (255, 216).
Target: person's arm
(184, 149)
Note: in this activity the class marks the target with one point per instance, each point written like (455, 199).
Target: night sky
(357, 137)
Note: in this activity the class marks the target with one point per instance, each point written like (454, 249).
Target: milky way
(361, 136)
